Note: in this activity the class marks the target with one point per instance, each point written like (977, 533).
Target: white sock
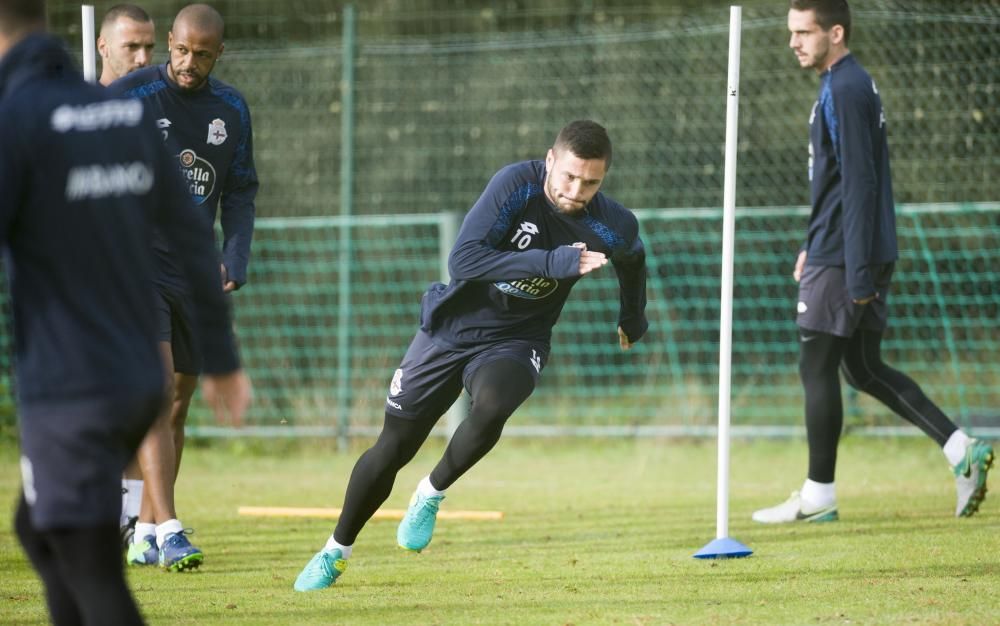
(345, 551)
(143, 530)
(954, 448)
(425, 488)
(123, 518)
(819, 494)
(133, 498)
(168, 527)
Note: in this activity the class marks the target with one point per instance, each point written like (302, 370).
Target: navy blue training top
(209, 132)
(853, 221)
(82, 179)
(513, 266)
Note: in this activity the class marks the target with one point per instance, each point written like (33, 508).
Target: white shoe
(794, 509)
(970, 477)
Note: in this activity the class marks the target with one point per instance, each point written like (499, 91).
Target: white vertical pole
(728, 236)
(451, 222)
(89, 43)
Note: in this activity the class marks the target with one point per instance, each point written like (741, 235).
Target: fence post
(451, 221)
(346, 209)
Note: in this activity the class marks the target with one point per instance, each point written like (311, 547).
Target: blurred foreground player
(845, 270)
(536, 230)
(82, 177)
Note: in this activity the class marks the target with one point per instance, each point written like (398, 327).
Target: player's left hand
(229, 396)
(227, 285)
(623, 339)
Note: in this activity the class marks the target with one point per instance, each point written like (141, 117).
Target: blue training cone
(723, 548)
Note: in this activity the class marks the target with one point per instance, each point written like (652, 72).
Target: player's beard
(817, 59)
(196, 79)
(562, 205)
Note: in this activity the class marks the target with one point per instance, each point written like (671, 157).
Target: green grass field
(596, 532)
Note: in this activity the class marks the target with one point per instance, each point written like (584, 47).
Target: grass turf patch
(595, 532)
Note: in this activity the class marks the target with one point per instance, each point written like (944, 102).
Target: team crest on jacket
(217, 132)
(528, 288)
(198, 174)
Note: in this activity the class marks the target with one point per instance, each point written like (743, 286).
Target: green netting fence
(358, 194)
(322, 363)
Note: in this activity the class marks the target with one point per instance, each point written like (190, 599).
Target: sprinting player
(82, 178)
(125, 43)
(205, 123)
(536, 230)
(845, 271)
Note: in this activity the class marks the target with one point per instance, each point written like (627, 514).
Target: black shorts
(430, 378)
(73, 453)
(175, 325)
(825, 305)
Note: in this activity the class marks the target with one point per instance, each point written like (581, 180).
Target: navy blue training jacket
(512, 266)
(209, 132)
(82, 179)
(853, 220)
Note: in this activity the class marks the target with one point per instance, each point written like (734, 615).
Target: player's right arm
(478, 254)
(855, 109)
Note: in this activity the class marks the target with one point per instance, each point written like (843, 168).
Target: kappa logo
(522, 237)
(198, 174)
(802, 307)
(163, 124)
(536, 361)
(216, 132)
(396, 386)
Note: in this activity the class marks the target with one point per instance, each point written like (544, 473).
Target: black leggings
(859, 358)
(81, 569)
(497, 389)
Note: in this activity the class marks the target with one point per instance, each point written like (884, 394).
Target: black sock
(375, 472)
(81, 569)
(497, 389)
(819, 359)
(864, 369)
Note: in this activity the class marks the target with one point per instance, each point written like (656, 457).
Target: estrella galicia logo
(528, 288)
(198, 174)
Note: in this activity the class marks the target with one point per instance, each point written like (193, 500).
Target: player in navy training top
(535, 231)
(845, 270)
(82, 180)
(206, 125)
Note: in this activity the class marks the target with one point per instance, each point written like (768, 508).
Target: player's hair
(131, 11)
(585, 139)
(829, 13)
(16, 14)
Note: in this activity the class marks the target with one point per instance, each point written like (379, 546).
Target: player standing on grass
(845, 270)
(125, 45)
(205, 123)
(537, 228)
(126, 42)
(82, 178)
